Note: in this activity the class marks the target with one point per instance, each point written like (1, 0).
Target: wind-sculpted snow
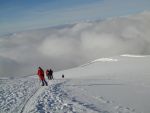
(82, 92)
(50, 99)
(65, 96)
(69, 96)
(14, 93)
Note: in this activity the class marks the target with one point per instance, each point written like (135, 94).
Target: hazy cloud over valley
(72, 45)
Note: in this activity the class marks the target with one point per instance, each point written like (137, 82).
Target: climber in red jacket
(40, 73)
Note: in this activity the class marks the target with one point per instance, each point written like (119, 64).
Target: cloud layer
(72, 45)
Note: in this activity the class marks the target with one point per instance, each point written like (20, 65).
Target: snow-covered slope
(118, 84)
(15, 93)
(119, 66)
(124, 79)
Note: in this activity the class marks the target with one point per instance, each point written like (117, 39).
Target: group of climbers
(49, 74)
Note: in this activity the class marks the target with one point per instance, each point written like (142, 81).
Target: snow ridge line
(29, 99)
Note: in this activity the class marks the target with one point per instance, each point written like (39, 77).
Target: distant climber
(63, 76)
(40, 73)
(51, 74)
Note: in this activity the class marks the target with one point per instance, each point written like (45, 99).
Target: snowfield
(118, 84)
(15, 93)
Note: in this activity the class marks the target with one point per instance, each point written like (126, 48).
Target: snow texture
(122, 86)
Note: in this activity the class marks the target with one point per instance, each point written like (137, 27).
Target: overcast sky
(20, 15)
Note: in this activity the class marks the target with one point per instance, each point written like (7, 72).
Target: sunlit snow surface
(14, 93)
(128, 55)
(106, 60)
(100, 86)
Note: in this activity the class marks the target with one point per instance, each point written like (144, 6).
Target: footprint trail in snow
(57, 98)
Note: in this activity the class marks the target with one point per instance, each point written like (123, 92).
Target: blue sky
(20, 15)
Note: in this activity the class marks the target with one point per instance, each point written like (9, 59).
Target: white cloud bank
(72, 45)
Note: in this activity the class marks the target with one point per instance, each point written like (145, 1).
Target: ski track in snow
(22, 110)
(14, 93)
(56, 99)
(60, 96)
(50, 99)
